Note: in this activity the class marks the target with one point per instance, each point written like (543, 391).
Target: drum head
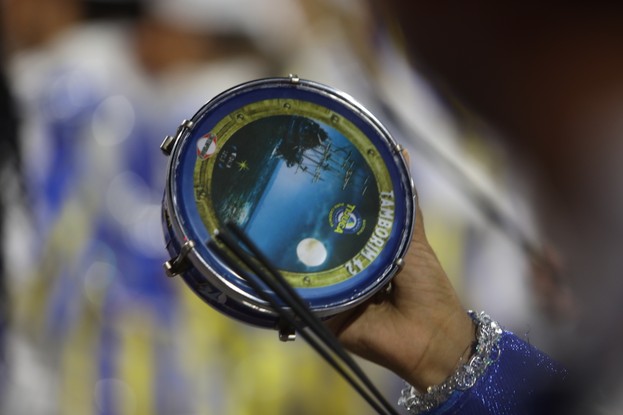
(309, 175)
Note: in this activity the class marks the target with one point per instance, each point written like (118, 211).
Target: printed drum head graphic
(308, 175)
(301, 186)
(206, 146)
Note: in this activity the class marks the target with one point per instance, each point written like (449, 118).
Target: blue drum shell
(292, 128)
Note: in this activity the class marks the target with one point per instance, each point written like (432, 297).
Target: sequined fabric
(524, 381)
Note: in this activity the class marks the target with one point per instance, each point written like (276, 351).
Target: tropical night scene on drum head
(304, 183)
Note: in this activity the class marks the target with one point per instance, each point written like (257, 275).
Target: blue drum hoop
(272, 104)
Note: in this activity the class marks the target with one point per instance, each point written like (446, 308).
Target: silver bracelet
(485, 353)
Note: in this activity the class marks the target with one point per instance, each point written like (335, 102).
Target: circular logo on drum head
(345, 219)
(206, 146)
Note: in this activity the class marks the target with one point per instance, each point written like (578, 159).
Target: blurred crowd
(90, 324)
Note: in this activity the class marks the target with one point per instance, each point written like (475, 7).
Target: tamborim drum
(310, 176)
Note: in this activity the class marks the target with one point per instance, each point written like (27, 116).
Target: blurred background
(90, 324)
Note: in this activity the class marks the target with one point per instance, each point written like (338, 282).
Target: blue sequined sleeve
(522, 381)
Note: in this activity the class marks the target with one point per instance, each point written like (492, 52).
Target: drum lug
(169, 141)
(294, 78)
(286, 332)
(167, 145)
(399, 264)
(180, 263)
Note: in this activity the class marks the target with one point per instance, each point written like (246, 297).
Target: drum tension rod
(287, 332)
(294, 78)
(169, 141)
(180, 263)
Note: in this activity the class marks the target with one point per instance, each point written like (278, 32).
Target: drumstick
(263, 274)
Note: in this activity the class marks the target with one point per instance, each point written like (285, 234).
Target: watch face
(312, 179)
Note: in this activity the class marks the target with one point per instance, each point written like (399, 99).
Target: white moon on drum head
(311, 252)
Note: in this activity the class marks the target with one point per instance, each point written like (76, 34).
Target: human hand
(419, 329)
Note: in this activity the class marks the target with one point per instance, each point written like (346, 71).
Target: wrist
(450, 345)
(485, 353)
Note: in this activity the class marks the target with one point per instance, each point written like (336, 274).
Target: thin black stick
(298, 313)
(290, 318)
